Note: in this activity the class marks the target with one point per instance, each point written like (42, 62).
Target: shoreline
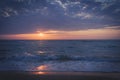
(37, 75)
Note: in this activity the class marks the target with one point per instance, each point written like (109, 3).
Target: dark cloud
(26, 16)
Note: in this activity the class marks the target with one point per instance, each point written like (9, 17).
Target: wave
(60, 58)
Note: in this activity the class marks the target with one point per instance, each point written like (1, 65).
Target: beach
(25, 75)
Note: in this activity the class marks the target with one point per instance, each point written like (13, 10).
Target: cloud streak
(103, 33)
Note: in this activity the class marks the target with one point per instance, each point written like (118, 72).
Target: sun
(41, 34)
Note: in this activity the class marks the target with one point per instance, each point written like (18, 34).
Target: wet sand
(15, 75)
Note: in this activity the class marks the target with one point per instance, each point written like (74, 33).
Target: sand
(20, 75)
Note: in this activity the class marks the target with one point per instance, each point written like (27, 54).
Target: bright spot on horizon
(42, 68)
(41, 34)
(102, 33)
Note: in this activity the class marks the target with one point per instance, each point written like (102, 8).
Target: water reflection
(40, 52)
(40, 72)
(42, 68)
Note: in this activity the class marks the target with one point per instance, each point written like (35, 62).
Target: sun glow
(41, 34)
(103, 33)
(42, 68)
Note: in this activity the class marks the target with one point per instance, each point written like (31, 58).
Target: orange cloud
(104, 33)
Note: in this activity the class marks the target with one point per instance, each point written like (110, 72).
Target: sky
(59, 19)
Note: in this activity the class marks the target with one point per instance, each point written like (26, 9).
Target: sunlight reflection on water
(42, 68)
(40, 52)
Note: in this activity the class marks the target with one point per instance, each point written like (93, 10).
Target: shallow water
(60, 55)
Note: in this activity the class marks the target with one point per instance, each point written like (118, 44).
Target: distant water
(60, 55)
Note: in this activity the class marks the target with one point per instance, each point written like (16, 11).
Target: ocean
(60, 55)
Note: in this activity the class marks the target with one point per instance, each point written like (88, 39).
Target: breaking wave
(29, 57)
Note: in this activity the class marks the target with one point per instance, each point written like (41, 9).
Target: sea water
(60, 55)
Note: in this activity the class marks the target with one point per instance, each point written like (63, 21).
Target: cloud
(83, 15)
(26, 16)
(117, 10)
(61, 4)
(6, 14)
(112, 27)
